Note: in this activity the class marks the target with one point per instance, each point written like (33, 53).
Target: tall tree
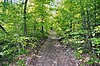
(25, 26)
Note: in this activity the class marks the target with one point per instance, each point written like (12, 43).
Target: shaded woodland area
(27, 27)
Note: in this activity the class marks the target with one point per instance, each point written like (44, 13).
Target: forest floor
(53, 53)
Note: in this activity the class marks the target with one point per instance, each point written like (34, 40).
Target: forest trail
(54, 54)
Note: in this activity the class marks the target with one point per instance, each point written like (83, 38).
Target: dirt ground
(53, 53)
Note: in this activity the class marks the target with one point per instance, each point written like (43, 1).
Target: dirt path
(54, 54)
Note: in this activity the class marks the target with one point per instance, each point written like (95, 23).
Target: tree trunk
(25, 26)
(4, 30)
(95, 13)
(5, 1)
(83, 15)
(89, 24)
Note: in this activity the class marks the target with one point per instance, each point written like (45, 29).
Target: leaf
(1, 53)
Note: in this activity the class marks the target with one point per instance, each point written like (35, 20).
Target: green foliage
(21, 62)
(11, 18)
(97, 29)
(77, 22)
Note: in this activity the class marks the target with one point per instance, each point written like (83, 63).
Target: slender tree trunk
(95, 13)
(89, 23)
(4, 30)
(11, 1)
(25, 26)
(86, 25)
(89, 18)
(83, 15)
(70, 25)
(42, 28)
(5, 1)
(34, 28)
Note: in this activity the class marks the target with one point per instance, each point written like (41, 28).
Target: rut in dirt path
(54, 54)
